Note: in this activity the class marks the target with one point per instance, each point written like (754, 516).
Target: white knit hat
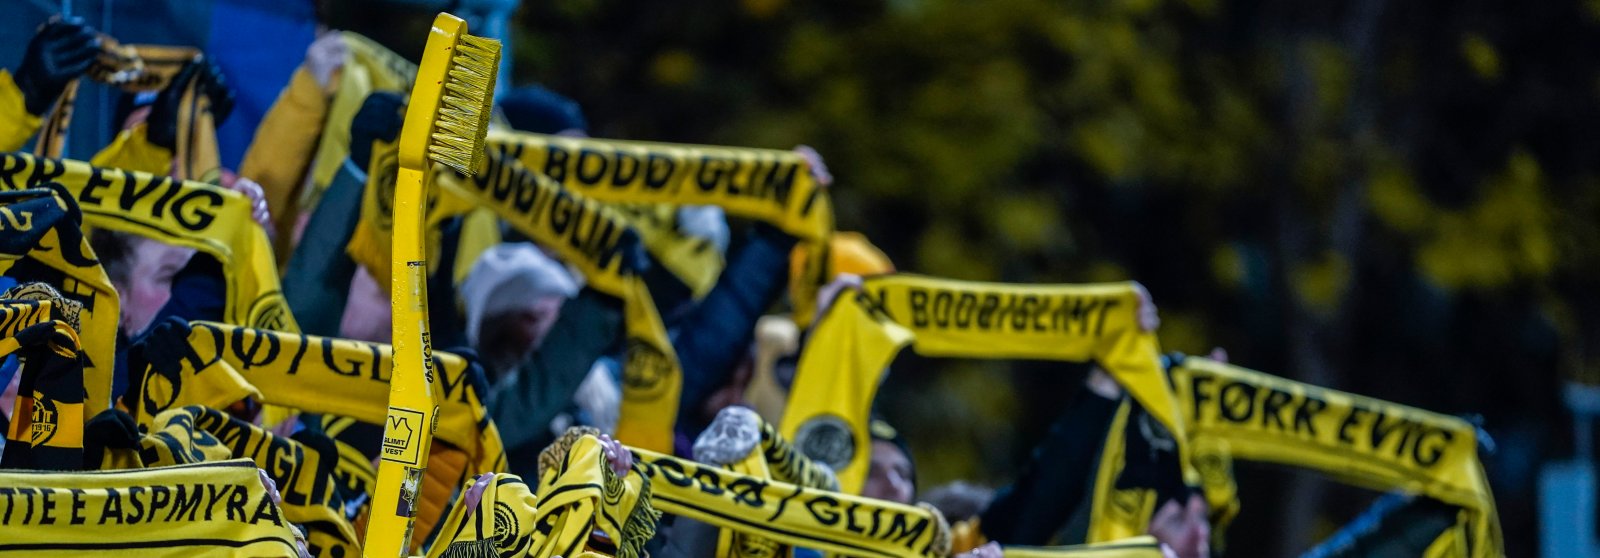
(508, 276)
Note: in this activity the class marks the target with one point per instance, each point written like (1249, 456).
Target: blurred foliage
(1396, 198)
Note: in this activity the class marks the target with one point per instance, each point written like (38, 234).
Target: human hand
(325, 56)
(61, 51)
(819, 169)
(618, 455)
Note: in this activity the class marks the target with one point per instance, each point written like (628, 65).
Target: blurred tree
(1395, 198)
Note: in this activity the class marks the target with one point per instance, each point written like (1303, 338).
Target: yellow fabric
(794, 515)
(42, 229)
(283, 146)
(368, 68)
(837, 378)
(733, 543)
(319, 375)
(1133, 547)
(203, 510)
(207, 218)
(695, 261)
(46, 430)
(132, 150)
(588, 235)
(578, 496)
(1098, 322)
(18, 314)
(1117, 513)
(1353, 439)
(370, 243)
(812, 264)
(304, 477)
(764, 184)
(16, 123)
(145, 68)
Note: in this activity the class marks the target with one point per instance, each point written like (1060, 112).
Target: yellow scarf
(794, 515)
(1353, 439)
(208, 509)
(835, 382)
(589, 235)
(207, 218)
(319, 375)
(41, 241)
(768, 185)
(46, 430)
(578, 495)
(136, 69)
(304, 476)
(1097, 322)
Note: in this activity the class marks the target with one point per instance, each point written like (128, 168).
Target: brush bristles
(463, 120)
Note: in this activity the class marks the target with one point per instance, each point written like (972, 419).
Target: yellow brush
(445, 124)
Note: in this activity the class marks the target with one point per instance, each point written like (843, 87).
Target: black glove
(380, 118)
(61, 51)
(163, 121)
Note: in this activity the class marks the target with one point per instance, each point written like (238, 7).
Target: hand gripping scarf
(768, 185)
(46, 430)
(138, 69)
(207, 218)
(40, 241)
(964, 319)
(203, 510)
(580, 506)
(594, 238)
(1352, 439)
(794, 515)
(739, 440)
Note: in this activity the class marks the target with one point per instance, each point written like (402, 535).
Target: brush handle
(408, 432)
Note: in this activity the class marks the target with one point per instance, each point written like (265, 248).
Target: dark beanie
(541, 111)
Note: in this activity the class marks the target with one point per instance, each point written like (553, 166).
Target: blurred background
(1399, 199)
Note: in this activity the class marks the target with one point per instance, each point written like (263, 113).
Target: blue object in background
(258, 44)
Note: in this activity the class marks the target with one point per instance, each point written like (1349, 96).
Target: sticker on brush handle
(402, 436)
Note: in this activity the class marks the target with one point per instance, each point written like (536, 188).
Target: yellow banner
(196, 215)
(209, 509)
(41, 240)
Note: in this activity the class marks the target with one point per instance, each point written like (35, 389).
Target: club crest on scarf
(645, 371)
(826, 439)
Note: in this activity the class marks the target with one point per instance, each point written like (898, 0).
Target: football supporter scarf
(1352, 439)
(768, 185)
(46, 430)
(835, 382)
(224, 364)
(1095, 322)
(578, 495)
(207, 509)
(139, 69)
(742, 442)
(207, 218)
(303, 474)
(41, 241)
(794, 515)
(594, 238)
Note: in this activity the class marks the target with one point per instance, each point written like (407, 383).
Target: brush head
(458, 134)
(451, 100)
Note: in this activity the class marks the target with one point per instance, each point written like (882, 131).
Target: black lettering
(941, 308)
(919, 308)
(197, 217)
(77, 507)
(712, 172)
(898, 531)
(660, 171)
(1309, 407)
(628, 167)
(590, 159)
(1237, 401)
(265, 510)
(97, 181)
(964, 309)
(1356, 411)
(112, 511)
(236, 502)
(555, 163)
(1426, 454)
(825, 509)
(1274, 402)
(133, 502)
(47, 504)
(183, 508)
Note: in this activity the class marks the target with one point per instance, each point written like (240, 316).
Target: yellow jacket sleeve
(132, 150)
(16, 124)
(284, 144)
